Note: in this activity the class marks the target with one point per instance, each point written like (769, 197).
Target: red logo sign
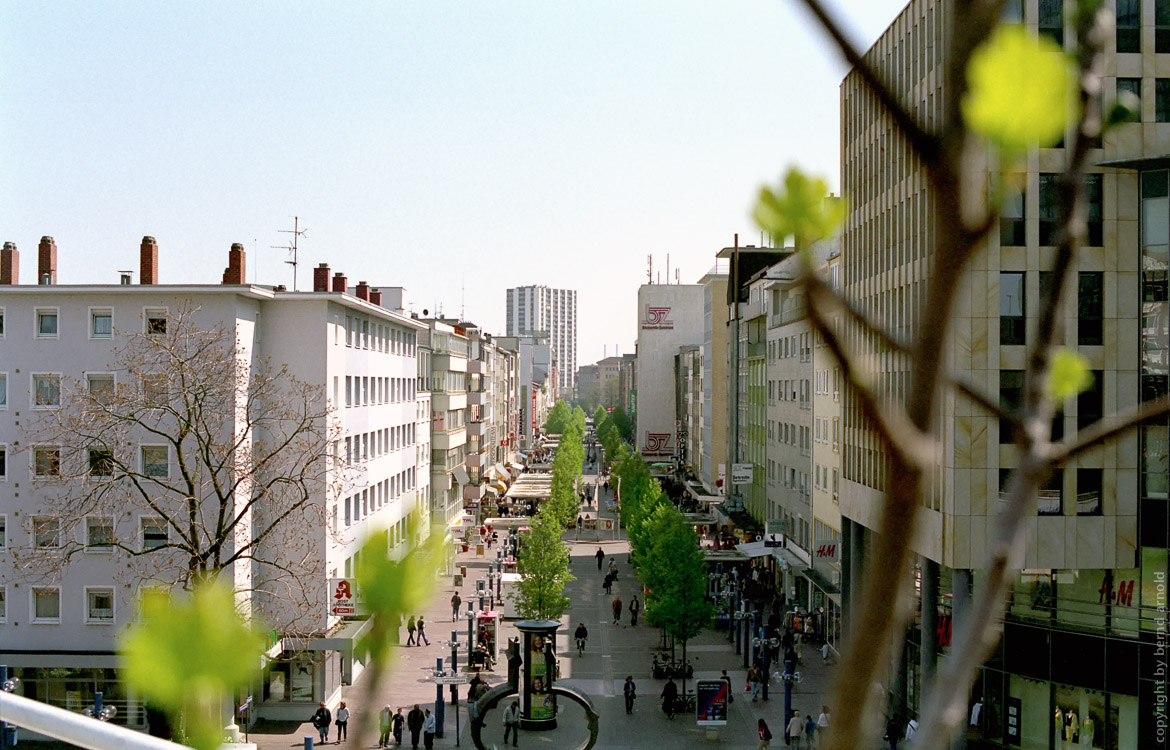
(657, 319)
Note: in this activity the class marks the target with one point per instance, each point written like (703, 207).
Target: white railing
(75, 728)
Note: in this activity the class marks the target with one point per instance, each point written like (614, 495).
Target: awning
(723, 555)
(789, 558)
(754, 549)
(340, 638)
(520, 455)
(516, 466)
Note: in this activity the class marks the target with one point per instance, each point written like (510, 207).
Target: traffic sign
(456, 679)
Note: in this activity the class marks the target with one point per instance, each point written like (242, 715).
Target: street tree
(195, 462)
(1007, 91)
(543, 565)
(558, 418)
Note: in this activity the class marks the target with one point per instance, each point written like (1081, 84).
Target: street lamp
(98, 711)
(8, 685)
(767, 645)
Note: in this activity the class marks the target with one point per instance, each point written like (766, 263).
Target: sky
(453, 148)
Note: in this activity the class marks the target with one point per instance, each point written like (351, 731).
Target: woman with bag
(765, 735)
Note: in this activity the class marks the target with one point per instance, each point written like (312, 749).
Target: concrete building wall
(669, 316)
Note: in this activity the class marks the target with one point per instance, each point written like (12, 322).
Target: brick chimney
(363, 291)
(47, 261)
(148, 261)
(339, 282)
(376, 297)
(321, 278)
(234, 273)
(9, 264)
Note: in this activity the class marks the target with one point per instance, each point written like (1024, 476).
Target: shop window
(1012, 309)
(1156, 461)
(1090, 308)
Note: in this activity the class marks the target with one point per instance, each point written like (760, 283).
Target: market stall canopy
(724, 555)
(754, 549)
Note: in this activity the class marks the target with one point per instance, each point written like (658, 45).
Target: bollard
(438, 698)
(308, 743)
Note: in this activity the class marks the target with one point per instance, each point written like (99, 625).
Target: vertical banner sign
(711, 703)
(534, 387)
(342, 597)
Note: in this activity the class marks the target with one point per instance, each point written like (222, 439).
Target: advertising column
(538, 706)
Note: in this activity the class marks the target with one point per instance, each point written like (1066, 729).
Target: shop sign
(943, 631)
(343, 598)
(827, 550)
(779, 526)
(657, 319)
(742, 473)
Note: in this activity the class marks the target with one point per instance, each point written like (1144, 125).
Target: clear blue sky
(454, 148)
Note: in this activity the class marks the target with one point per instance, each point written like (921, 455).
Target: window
(1051, 18)
(155, 321)
(1049, 212)
(3, 461)
(101, 323)
(46, 461)
(1162, 25)
(46, 324)
(100, 386)
(1133, 87)
(1162, 100)
(1011, 308)
(3, 532)
(3, 390)
(1, 322)
(46, 532)
(1091, 401)
(99, 606)
(1129, 16)
(155, 392)
(1011, 397)
(101, 463)
(154, 533)
(1049, 498)
(1095, 195)
(1011, 219)
(155, 461)
(46, 605)
(1090, 309)
(3, 604)
(46, 391)
(99, 534)
(1089, 492)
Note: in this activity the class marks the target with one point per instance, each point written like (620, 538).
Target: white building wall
(669, 316)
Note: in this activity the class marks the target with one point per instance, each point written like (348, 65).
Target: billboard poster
(711, 703)
(540, 700)
(742, 473)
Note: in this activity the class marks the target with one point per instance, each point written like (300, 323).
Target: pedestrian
(798, 644)
(765, 735)
(613, 568)
(396, 725)
(512, 723)
(582, 635)
(600, 557)
(455, 602)
(422, 636)
(414, 722)
(342, 722)
(669, 697)
(607, 584)
(827, 653)
(727, 680)
(635, 608)
(617, 610)
(428, 730)
(321, 721)
(410, 632)
(385, 721)
(630, 691)
(810, 727)
(579, 521)
(754, 680)
(794, 730)
(912, 729)
(823, 720)
(893, 731)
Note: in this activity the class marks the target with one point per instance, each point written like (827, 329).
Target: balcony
(449, 439)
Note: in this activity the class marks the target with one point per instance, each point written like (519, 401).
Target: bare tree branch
(1106, 430)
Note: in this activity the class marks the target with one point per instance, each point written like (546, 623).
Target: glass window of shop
(292, 679)
(73, 690)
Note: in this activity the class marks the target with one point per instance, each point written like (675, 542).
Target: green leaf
(1068, 375)
(801, 208)
(1021, 90)
(187, 656)
(1127, 108)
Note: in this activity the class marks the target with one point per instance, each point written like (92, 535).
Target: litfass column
(538, 706)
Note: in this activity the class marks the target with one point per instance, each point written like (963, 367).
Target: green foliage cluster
(543, 564)
(666, 551)
(558, 419)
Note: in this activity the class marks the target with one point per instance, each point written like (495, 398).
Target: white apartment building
(59, 631)
(539, 308)
(536, 389)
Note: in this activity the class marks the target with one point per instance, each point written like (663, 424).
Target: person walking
(894, 731)
(385, 721)
(428, 730)
(414, 722)
(794, 730)
(582, 635)
(730, 693)
(455, 602)
(823, 720)
(512, 723)
(321, 720)
(607, 584)
(396, 726)
(635, 608)
(630, 691)
(422, 635)
(669, 697)
(755, 681)
(600, 557)
(342, 722)
(617, 610)
(765, 735)
(410, 632)
(810, 727)
(613, 568)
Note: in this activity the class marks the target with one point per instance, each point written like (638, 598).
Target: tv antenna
(296, 233)
(650, 269)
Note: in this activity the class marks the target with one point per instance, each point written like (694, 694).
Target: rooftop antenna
(650, 269)
(462, 290)
(296, 233)
(676, 281)
(668, 268)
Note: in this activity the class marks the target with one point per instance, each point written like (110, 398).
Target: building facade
(669, 316)
(554, 311)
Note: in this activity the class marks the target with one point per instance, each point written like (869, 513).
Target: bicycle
(580, 647)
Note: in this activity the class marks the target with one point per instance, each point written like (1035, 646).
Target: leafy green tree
(558, 418)
(599, 416)
(579, 418)
(543, 564)
(624, 426)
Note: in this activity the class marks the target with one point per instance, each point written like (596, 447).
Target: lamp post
(8, 685)
(470, 624)
(790, 676)
(438, 697)
(765, 645)
(98, 711)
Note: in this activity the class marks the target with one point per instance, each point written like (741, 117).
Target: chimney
(339, 282)
(47, 261)
(321, 278)
(363, 291)
(234, 273)
(376, 297)
(9, 264)
(148, 254)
